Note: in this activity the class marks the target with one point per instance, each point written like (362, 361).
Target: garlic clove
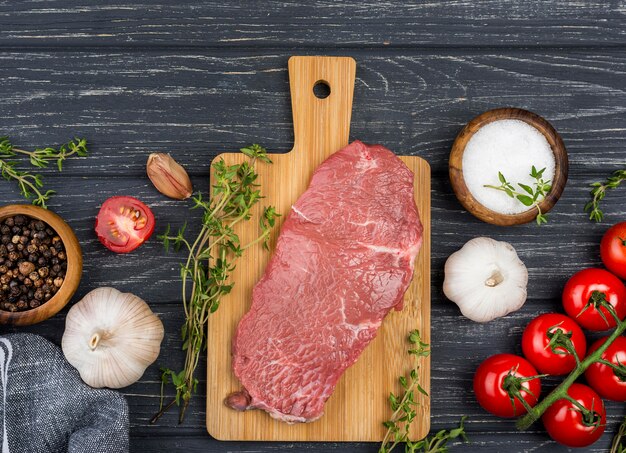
(486, 279)
(111, 338)
(168, 176)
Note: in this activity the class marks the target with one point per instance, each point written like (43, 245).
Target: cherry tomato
(608, 382)
(500, 371)
(536, 343)
(613, 249)
(585, 293)
(566, 423)
(124, 223)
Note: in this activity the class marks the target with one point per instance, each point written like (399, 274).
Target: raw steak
(343, 260)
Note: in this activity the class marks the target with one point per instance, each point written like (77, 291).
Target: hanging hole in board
(321, 89)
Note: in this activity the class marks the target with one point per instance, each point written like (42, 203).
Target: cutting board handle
(321, 126)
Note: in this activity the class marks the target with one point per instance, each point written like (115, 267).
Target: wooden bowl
(72, 275)
(456, 166)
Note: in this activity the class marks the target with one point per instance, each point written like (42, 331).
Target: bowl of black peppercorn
(41, 264)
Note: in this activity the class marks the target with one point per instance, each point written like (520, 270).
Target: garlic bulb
(111, 338)
(486, 279)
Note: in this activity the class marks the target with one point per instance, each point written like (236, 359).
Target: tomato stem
(563, 340)
(589, 417)
(598, 301)
(560, 392)
(514, 386)
(619, 370)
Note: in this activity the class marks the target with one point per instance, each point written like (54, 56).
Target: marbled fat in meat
(343, 260)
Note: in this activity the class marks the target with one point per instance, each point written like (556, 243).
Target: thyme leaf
(211, 259)
(404, 410)
(531, 196)
(598, 192)
(618, 445)
(31, 185)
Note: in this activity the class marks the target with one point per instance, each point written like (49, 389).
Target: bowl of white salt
(508, 166)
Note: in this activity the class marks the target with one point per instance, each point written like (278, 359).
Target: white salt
(511, 147)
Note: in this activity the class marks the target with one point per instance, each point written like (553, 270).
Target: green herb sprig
(531, 196)
(404, 410)
(211, 259)
(598, 192)
(31, 185)
(618, 445)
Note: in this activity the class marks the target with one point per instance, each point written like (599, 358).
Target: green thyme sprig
(531, 196)
(211, 259)
(438, 443)
(598, 192)
(618, 445)
(31, 185)
(404, 410)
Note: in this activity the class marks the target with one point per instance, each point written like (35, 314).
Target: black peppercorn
(33, 263)
(26, 267)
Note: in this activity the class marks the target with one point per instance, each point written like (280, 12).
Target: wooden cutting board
(358, 407)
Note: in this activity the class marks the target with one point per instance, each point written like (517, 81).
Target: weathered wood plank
(199, 104)
(552, 253)
(480, 441)
(312, 24)
(459, 345)
(227, 85)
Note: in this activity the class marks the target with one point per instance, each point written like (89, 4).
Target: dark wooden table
(199, 78)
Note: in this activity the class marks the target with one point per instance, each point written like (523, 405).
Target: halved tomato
(124, 223)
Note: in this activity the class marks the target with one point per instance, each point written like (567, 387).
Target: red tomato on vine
(506, 385)
(577, 421)
(613, 249)
(590, 296)
(608, 377)
(549, 342)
